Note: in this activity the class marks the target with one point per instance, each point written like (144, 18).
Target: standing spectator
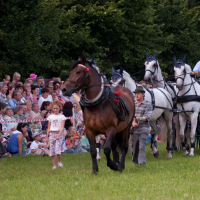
(18, 112)
(16, 97)
(40, 81)
(143, 112)
(46, 106)
(16, 77)
(9, 117)
(67, 111)
(54, 96)
(77, 97)
(35, 93)
(29, 107)
(23, 99)
(54, 131)
(15, 143)
(7, 79)
(33, 77)
(3, 91)
(29, 95)
(27, 86)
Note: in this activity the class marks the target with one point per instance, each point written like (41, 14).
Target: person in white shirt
(55, 129)
(44, 96)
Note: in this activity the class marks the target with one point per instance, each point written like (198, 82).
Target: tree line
(45, 36)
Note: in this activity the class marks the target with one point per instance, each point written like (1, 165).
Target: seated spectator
(23, 99)
(15, 143)
(102, 141)
(27, 86)
(29, 80)
(25, 144)
(16, 77)
(7, 79)
(46, 106)
(44, 96)
(18, 113)
(77, 139)
(3, 151)
(36, 147)
(85, 143)
(78, 119)
(29, 107)
(16, 97)
(49, 86)
(5, 131)
(3, 91)
(67, 112)
(9, 92)
(70, 146)
(54, 96)
(9, 117)
(45, 145)
(35, 93)
(19, 87)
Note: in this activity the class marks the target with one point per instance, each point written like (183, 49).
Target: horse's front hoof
(95, 172)
(156, 155)
(175, 148)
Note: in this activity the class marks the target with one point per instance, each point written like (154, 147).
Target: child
(36, 147)
(25, 150)
(85, 142)
(55, 129)
(45, 145)
(77, 138)
(7, 79)
(70, 146)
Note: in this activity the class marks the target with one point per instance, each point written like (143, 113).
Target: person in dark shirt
(67, 112)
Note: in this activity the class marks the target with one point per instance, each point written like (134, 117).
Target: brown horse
(98, 114)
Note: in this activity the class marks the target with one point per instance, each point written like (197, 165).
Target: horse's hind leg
(124, 147)
(93, 152)
(114, 152)
(110, 134)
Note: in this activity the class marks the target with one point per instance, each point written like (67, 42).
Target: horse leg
(124, 147)
(93, 152)
(154, 145)
(192, 133)
(182, 122)
(114, 152)
(98, 138)
(168, 118)
(174, 136)
(110, 134)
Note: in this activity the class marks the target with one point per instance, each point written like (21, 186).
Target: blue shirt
(13, 103)
(13, 143)
(197, 67)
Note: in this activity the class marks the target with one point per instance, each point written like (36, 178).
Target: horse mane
(188, 68)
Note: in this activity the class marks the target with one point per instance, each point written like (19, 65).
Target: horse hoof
(156, 155)
(94, 172)
(175, 148)
(191, 154)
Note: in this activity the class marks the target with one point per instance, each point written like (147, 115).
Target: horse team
(101, 115)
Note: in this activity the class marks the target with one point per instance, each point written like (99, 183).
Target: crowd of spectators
(33, 100)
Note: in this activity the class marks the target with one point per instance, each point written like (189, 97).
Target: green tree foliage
(45, 36)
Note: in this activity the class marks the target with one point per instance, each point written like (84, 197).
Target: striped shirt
(145, 109)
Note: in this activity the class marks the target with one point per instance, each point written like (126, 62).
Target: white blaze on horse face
(179, 76)
(149, 69)
(116, 83)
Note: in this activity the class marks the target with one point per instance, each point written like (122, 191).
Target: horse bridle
(122, 82)
(79, 85)
(150, 58)
(178, 65)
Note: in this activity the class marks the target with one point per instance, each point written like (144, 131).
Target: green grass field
(32, 177)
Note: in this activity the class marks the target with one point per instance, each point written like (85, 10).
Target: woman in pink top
(35, 93)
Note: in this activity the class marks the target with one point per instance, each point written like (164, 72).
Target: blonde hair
(57, 103)
(16, 74)
(27, 80)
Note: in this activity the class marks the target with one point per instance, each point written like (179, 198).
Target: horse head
(78, 78)
(150, 66)
(117, 77)
(181, 72)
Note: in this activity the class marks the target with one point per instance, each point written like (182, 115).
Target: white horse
(154, 75)
(188, 99)
(162, 99)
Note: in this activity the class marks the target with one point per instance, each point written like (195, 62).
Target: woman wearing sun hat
(33, 77)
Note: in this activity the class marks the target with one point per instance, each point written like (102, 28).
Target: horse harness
(105, 94)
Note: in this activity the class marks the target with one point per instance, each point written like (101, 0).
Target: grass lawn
(32, 177)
